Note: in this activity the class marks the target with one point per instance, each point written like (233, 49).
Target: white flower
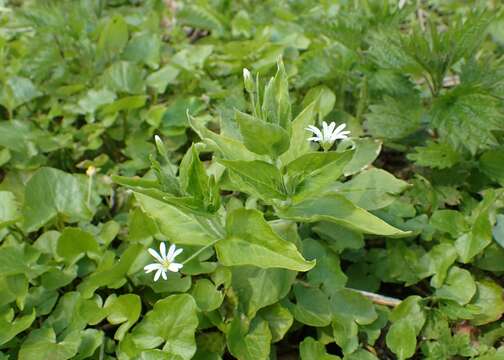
(165, 261)
(247, 80)
(329, 134)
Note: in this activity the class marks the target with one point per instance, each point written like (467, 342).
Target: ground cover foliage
(125, 125)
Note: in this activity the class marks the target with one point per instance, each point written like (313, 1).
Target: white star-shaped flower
(166, 262)
(328, 135)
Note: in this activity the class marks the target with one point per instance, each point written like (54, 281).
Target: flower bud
(91, 171)
(160, 146)
(247, 80)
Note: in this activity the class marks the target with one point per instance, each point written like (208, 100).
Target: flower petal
(158, 274)
(155, 255)
(175, 267)
(162, 250)
(163, 274)
(171, 250)
(177, 253)
(340, 127)
(332, 125)
(151, 267)
(315, 130)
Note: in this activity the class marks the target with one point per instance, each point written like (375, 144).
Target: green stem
(197, 253)
(90, 186)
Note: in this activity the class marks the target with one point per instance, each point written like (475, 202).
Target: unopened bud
(247, 80)
(160, 146)
(91, 171)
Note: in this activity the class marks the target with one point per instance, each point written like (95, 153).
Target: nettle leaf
(250, 240)
(50, 193)
(124, 77)
(467, 119)
(261, 137)
(336, 208)
(407, 321)
(435, 155)
(395, 118)
(171, 323)
(257, 177)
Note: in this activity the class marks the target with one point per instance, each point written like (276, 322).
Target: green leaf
(492, 164)
(489, 301)
(372, 189)
(124, 77)
(321, 180)
(112, 38)
(9, 209)
(9, 328)
(312, 306)
(206, 295)
(144, 49)
(257, 288)
(327, 272)
(276, 107)
(407, 321)
(261, 137)
(249, 342)
(479, 237)
(459, 286)
(336, 208)
(309, 164)
(18, 90)
(311, 349)
(345, 331)
(279, 320)
(498, 230)
(75, 243)
(193, 177)
(124, 310)
(109, 273)
(299, 145)
(435, 155)
(395, 118)
(351, 304)
(160, 79)
(257, 177)
(366, 151)
(251, 241)
(90, 340)
(50, 193)
(42, 344)
(177, 226)
(467, 119)
(172, 322)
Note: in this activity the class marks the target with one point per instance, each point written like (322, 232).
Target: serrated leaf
(435, 155)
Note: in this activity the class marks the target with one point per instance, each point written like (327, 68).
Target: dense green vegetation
(129, 125)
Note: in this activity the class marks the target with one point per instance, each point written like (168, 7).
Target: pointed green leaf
(251, 241)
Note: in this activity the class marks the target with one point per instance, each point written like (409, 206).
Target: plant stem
(196, 254)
